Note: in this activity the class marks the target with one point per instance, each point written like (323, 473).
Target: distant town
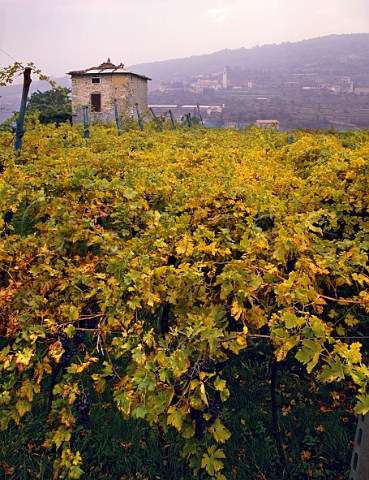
(299, 100)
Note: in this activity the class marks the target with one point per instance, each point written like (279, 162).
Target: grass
(316, 421)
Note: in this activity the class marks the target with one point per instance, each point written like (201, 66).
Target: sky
(63, 35)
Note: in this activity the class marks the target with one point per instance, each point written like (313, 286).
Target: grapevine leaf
(123, 401)
(220, 433)
(362, 407)
(219, 384)
(175, 417)
(23, 406)
(139, 412)
(211, 460)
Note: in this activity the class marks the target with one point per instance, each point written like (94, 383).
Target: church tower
(225, 78)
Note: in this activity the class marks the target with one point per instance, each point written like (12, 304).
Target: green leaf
(188, 430)
(362, 407)
(139, 412)
(290, 320)
(70, 330)
(147, 383)
(123, 401)
(61, 435)
(224, 395)
(5, 419)
(211, 461)
(220, 433)
(332, 370)
(309, 354)
(175, 417)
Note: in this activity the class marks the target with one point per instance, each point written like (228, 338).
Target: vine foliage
(137, 265)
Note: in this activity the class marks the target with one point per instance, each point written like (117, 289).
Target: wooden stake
(22, 110)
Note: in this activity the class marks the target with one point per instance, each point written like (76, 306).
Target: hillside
(336, 54)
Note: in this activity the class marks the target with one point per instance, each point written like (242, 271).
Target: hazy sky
(62, 35)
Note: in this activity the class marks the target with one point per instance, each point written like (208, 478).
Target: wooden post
(86, 122)
(139, 117)
(360, 454)
(22, 110)
(117, 121)
(189, 120)
(156, 119)
(172, 119)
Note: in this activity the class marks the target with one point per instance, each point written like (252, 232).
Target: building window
(96, 102)
(95, 79)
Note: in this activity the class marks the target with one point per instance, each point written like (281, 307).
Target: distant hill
(338, 54)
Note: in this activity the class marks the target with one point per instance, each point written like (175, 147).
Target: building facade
(98, 88)
(272, 124)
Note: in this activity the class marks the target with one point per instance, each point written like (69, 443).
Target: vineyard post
(199, 113)
(116, 112)
(22, 110)
(360, 453)
(86, 122)
(189, 120)
(156, 119)
(139, 117)
(172, 119)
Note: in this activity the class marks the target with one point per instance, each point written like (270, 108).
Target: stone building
(273, 124)
(98, 87)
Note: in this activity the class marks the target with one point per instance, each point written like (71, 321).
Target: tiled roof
(106, 68)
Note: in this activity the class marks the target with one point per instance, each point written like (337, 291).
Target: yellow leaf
(219, 384)
(241, 340)
(73, 313)
(99, 386)
(220, 433)
(23, 406)
(175, 417)
(236, 309)
(23, 359)
(185, 246)
(203, 393)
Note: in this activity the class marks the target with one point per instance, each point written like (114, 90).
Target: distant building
(98, 87)
(347, 85)
(225, 78)
(206, 84)
(292, 84)
(273, 124)
(362, 90)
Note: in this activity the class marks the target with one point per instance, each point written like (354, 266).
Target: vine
(140, 264)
